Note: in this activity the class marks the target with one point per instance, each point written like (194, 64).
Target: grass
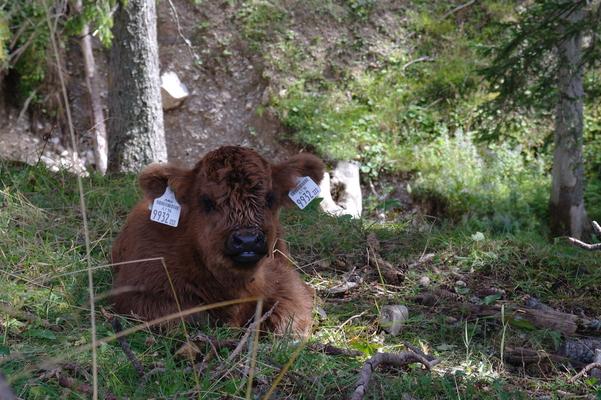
(43, 298)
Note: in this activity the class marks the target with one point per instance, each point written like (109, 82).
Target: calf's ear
(155, 178)
(285, 174)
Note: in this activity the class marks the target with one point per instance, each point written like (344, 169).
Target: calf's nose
(246, 241)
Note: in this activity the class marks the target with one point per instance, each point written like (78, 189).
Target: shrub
(500, 186)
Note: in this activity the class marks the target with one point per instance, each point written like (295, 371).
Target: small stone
(321, 312)
(460, 284)
(392, 318)
(424, 281)
(173, 91)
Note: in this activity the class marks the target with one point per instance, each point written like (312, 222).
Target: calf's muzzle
(246, 245)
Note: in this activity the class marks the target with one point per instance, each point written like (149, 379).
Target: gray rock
(393, 317)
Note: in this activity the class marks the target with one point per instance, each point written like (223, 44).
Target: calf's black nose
(246, 245)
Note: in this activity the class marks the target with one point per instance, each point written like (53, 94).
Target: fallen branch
(458, 8)
(417, 60)
(150, 374)
(584, 371)
(244, 341)
(126, 348)
(587, 246)
(331, 350)
(394, 359)
(522, 355)
(341, 288)
(6, 392)
(541, 317)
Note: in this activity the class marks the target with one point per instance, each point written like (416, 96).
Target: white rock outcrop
(173, 91)
(346, 183)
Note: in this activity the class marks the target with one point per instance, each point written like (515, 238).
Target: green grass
(44, 303)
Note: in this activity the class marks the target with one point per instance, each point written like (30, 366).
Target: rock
(460, 284)
(173, 91)
(392, 318)
(424, 281)
(346, 175)
(327, 204)
(321, 312)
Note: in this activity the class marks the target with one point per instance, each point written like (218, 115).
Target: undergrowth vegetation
(46, 331)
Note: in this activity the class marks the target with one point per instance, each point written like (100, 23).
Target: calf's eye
(207, 204)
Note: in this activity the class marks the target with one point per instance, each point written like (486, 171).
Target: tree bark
(568, 215)
(98, 125)
(136, 133)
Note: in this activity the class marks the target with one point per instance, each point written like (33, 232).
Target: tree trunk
(136, 133)
(98, 125)
(568, 215)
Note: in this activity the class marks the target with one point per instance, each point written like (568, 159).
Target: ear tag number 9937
(305, 191)
(165, 209)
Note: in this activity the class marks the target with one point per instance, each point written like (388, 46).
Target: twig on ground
(244, 341)
(6, 392)
(150, 374)
(214, 343)
(458, 8)
(417, 60)
(394, 359)
(418, 351)
(587, 246)
(333, 350)
(341, 288)
(422, 260)
(584, 371)
(126, 348)
(523, 356)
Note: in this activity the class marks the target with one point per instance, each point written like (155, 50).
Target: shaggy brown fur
(230, 188)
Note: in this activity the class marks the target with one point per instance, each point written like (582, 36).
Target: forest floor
(44, 350)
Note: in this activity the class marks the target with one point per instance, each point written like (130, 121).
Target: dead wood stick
(584, 371)
(420, 59)
(244, 340)
(147, 376)
(331, 350)
(458, 8)
(126, 348)
(522, 355)
(587, 246)
(394, 359)
(6, 392)
(418, 351)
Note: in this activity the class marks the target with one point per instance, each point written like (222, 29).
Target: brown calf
(225, 246)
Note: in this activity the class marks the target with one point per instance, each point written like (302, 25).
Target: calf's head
(230, 201)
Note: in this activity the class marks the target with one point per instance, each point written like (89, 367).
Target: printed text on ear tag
(305, 191)
(165, 209)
